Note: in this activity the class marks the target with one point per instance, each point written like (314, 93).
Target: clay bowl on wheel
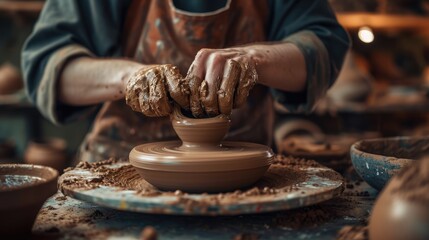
(23, 190)
(201, 162)
(377, 160)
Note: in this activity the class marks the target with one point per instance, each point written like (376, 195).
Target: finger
(194, 99)
(208, 102)
(133, 90)
(144, 97)
(227, 88)
(209, 88)
(248, 78)
(197, 67)
(144, 104)
(158, 99)
(177, 86)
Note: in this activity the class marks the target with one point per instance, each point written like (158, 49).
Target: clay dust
(283, 176)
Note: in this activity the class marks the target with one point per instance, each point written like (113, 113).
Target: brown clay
(228, 86)
(178, 87)
(152, 90)
(282, 176)
(51, 153)
(201, 163)
(402, 211)
(194, 101)
(149, 90)
(247, 81)
(23, 190)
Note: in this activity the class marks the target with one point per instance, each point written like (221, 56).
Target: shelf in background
(353, 21)
(21, 6)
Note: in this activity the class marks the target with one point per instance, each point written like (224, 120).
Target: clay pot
(402, 211)
(23, 190)
(201, 162)
(50, 152)
(10, 79)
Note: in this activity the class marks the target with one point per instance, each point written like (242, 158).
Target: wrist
(260, 55)
(280, 65)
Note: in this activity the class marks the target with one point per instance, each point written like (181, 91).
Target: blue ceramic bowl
(377, 160)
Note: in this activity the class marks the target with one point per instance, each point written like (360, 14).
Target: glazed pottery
(377, 160)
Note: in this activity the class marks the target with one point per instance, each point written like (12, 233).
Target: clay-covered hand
(152, 90)
(220, 80)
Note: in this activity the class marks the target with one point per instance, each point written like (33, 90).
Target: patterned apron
(156, 32)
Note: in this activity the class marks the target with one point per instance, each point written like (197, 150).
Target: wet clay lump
(154, 90)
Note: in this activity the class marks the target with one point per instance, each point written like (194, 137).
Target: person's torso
(158, 32)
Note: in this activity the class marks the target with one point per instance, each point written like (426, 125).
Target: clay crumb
(51, 208)
(282, 177)
(61, 198)
(149, 233)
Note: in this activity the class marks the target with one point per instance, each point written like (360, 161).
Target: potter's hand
(220, 80)
(152, 90)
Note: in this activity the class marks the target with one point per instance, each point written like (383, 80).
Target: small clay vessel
(10, 79)
(201, 162)
(23, 190)
(50, 152)
(402, 210)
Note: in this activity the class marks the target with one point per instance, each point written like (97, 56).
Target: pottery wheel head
(230, 166)
(201, 162)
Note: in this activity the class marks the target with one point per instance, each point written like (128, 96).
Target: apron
(156, 32)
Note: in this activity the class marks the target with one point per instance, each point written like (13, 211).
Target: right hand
(151, 90)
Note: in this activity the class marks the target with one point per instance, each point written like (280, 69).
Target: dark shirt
(70, 28)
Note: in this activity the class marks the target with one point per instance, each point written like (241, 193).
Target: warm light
(366, 35)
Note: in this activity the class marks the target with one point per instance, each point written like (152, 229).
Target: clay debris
(283, 176)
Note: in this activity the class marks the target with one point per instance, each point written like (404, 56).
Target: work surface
(65, 218)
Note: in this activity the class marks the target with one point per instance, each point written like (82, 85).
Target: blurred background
(383, 89)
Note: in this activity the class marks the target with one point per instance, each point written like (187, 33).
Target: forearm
(86, 81)
(280, 65)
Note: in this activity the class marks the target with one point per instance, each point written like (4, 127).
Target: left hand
(220, 80)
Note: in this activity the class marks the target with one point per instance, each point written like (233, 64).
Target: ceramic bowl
(377, 160)
(23, 190)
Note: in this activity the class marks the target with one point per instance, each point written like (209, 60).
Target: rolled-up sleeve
(68, 29)
(312, 26)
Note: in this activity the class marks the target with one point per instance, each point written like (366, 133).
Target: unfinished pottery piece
(23, 190)
(377, 160)
(201, 162)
